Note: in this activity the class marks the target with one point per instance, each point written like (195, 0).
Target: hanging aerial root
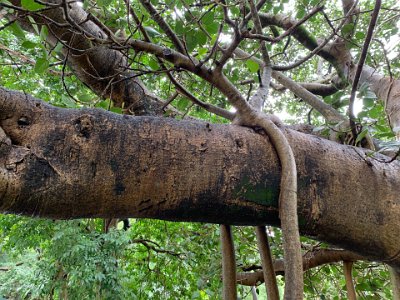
(287, 202)
(267, 264)
(228, 263)
(347, 270)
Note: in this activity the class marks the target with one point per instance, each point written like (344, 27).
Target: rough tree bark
(60, 163)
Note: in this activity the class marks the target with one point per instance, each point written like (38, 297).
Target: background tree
(199, 60)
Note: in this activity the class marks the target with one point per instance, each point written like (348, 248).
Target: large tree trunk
(61, 163)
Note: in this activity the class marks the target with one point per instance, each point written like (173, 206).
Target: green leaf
(117, 110)
(368, 102)
(28, 45)
(58, 48)
(103, 3)
(191, 40)
(67, 101)
(31, 5)
(362, 114)
(278, 9)
(151, 31)
(17, 30)
(208, 18)
(348, 28)
(183, 103)
(212, 28)
(252, 66)
(34, 25)
(105, 104)
(201, 38)
(152, 265)
(179, 28)
(202, 52)
(360, 35)
(236, 11)
(85, 97)
(300, 13)
(153, 64)
(44, 32)
(361, 135)
(375, 112)
(41, 65)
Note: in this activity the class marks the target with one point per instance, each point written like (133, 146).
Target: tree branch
(360, 65)
(327, 111)
(104, 70)
(310, 260)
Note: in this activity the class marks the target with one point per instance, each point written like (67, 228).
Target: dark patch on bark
(119, 186)
(114, 165)
(38, 173)
(239, 143)
(209, 210)
(84, 125)
(314, 176)
(38, 179)
(379, 218)
(93, 169)
(56, 139)
(23, 122)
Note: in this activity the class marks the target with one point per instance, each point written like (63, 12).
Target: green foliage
(31, 5)
(75, 258)
(62, 258)
(253, 66)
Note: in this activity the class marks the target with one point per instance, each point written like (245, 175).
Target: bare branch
(258, 99)
(327, 111)
(288, 32)
(311, 260)
(209, 107)
(315, 50)
(360, 65)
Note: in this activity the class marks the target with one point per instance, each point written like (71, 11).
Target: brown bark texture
(60, 164)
